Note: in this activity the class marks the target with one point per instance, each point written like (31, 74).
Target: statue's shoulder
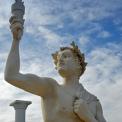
(87, 96)
(52, 82)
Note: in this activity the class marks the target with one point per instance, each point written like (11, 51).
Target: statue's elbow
(8, 78)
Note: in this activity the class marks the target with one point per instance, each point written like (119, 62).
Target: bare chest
(65, 101)
(61, 107)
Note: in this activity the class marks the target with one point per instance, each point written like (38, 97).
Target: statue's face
(68, 63)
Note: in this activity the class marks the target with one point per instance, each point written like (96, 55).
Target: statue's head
(69, 61)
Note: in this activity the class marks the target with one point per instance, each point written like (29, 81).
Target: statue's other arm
(37, 85)
(99, 116)
(82, 110)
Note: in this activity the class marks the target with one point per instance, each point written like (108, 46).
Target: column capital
(20, 104)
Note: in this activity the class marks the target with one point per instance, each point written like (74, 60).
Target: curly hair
(74, 48)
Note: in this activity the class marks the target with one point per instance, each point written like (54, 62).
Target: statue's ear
(54, 55)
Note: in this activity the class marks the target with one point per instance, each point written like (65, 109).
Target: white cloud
(104, 34)
(3, 56)
(52, 39)
(4, 13)
(84, 40)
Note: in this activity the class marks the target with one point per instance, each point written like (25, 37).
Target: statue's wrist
(16, 40)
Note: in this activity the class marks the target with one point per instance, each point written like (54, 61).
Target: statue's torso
(60, 108)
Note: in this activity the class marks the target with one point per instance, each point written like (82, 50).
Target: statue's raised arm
(29, 82)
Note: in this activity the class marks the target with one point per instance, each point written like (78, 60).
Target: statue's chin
(62, 71)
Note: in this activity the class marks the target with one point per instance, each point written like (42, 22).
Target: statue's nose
(61, 60)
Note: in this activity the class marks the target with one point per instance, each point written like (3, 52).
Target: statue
(68, 102)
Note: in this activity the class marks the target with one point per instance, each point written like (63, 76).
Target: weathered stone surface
(68, 102)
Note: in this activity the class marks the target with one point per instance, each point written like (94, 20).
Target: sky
(94, 25)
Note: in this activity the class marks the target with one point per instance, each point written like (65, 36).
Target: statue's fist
(81, 109)
(17, 30)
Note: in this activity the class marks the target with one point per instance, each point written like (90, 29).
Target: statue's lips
(61, 64)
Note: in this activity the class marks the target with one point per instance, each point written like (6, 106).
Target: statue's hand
(81, 109)
(16, 29)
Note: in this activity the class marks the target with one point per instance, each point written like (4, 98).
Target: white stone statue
(68, 102)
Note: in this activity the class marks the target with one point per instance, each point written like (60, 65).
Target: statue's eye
(65, 56)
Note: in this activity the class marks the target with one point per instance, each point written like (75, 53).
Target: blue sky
(96, 26)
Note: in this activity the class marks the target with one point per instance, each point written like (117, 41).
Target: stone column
(20, 109)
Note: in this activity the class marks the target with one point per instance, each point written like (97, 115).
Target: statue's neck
(71, 81)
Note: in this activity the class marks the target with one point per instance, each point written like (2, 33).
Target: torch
(18, 11)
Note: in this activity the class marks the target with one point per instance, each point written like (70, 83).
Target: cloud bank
(95, 26)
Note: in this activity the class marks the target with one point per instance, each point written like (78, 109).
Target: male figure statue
(68, 102)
